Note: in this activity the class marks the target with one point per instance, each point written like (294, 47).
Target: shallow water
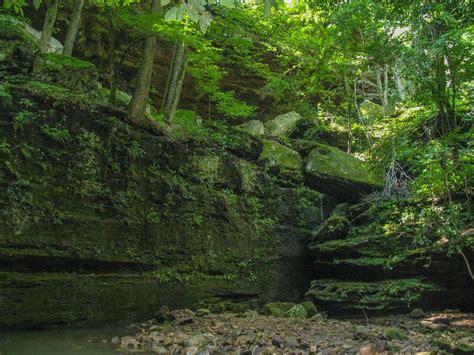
(58, 342)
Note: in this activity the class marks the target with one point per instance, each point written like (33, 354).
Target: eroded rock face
(338, 174)
(148, 220)
(378, 265)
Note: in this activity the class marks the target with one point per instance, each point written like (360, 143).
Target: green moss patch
(383, 295)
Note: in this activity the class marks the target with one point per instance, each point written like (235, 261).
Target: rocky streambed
(201, 332)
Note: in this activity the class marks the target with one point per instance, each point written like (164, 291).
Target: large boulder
(18, 47)
(335, 227)
(281, 160)
(68, 72)
(254, 127)
(283, 125)
(339, 174)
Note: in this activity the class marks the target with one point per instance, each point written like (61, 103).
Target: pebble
(204, 333)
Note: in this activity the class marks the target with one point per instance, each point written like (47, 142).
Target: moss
(13, 28)
(311, 309)
(277, 309)
(59, 61)
(334, 227)
(187, 119)
(337, 245)
(297, 312)
(281, 159)
(90, 205)
(327, 160)
(382, 295)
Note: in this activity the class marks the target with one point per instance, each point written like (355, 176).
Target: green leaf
(193, 15)
(227, 3)
(197, 5)
(165, 2)
(171, 14)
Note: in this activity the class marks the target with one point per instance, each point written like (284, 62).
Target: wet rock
(164, 315)
(129, 343)
(115, 341)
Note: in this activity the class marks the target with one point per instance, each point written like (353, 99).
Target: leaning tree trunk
(48, 25)
(136, 108)
(73, 27)
(173, 79)
(177, 92)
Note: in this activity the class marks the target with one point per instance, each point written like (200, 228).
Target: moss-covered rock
(253, 127)
(334, 227)
(277, 309)
(297, 312)
(68, 72)
(396, 294)
(282, 125)
(339, 174)
(281, 160)
(18, 48)
(310, 308)
(81, 189)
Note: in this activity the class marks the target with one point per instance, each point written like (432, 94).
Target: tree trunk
(113, 67)
(179, 86)
(382, 87)
(173, 78)
(385, 90)
(348, 112)
(136, 108)
(48, 25)
(73, 27)
(398, 81)
(441, 97)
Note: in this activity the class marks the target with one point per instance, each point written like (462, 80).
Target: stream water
(58, 342)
